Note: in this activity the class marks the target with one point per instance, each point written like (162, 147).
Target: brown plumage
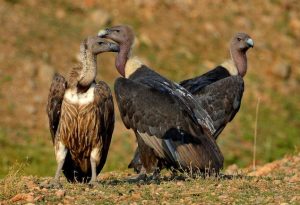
(81, 116)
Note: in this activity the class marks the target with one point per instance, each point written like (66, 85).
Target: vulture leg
(94, 161)
(61, 153)
(142, 176)
(94, 175)
(148, 161)
(156, 173)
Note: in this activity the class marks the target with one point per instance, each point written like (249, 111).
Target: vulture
(81, 116)
(172, 130)
(218, 91)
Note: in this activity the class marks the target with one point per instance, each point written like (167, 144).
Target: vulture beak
(250, 42)
(114, 47)
(103, 33)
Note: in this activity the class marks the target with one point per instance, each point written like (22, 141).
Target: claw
(92, 184)
(138, 178)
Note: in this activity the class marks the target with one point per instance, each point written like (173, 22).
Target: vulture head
(122, 34)
(239, 45)
(242, 42)
(98, 45)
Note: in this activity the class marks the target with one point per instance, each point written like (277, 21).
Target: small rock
(209, 27)
(145, 39)
(295, 178)
(179, 183)
(232, 169)
(282, 70)
(60, 13)
(31, 185)
(39, 198)
(295, 199)
(100, 17)
(23, 197)
(31, 109)
(60, 193)
(44, 190)
(277, 182)
(69, 198)
(45, 73)
(38, 98)
(222, 197)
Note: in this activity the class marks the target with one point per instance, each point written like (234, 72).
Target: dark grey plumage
(220, 90)
(172, 130)
(167, 121)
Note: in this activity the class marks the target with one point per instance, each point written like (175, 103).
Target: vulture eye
(239, 39)
(117, 30)
(100, 43)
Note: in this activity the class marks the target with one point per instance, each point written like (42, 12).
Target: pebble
(60, 193)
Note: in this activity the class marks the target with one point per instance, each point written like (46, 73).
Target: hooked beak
(250, 42)
(114, 47)
(103, 33)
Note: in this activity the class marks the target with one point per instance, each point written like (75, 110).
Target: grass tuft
(12, 184)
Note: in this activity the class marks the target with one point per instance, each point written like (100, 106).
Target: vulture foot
(138, 178)
(92, 184)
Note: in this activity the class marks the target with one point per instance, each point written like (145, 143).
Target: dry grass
(275, 183)
(12, 183)
(255, 135)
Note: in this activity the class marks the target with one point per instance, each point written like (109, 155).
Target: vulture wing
(221, 100)
(194, 85)
(105, 105)
(55, 98)
(167, 120)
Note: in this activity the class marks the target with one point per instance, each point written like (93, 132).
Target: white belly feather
(73, 97)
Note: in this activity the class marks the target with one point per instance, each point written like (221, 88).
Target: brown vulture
(81, 116)
(172, 130)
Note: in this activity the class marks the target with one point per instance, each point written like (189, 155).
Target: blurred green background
(180, 39)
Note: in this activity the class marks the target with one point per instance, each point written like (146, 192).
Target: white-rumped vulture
(220, 90)
(170, 126)
(81, 116)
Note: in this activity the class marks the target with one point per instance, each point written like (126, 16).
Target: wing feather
(141, 105)
(55, 98)
(222, 100)
(104, 102)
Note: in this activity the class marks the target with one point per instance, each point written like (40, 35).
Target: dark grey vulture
(170, 126)
(220, 90)
(81, 116)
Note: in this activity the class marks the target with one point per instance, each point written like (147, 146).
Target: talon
(92, 184)
(138, 178)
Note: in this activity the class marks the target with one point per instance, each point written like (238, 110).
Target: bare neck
(240, 60)
(122, 57)
(89, 67)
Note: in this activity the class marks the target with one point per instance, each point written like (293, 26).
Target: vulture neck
(125, 64)
(89, 67)
(240, 61)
